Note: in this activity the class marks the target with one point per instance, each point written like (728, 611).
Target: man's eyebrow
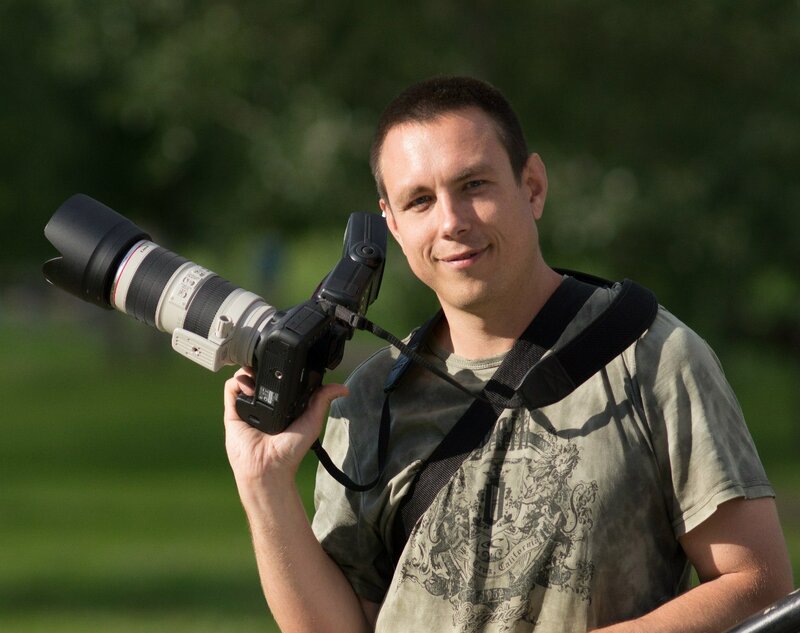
(479, 169)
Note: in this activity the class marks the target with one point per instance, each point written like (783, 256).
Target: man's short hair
(435, 97)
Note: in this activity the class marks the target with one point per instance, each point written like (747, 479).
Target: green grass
(147, 548)
(118, 512)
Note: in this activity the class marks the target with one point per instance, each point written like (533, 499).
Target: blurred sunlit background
(237, 133)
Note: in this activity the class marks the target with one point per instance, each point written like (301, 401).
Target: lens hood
(92, 240)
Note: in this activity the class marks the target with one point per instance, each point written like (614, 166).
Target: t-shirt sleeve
(703, 447)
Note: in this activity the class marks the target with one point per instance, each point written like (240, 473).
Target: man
(581, 515)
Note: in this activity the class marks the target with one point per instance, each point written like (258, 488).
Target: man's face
(453, 203)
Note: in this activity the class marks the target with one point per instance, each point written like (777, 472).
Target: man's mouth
(462, 258)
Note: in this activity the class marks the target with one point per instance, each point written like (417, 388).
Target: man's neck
(491, 332)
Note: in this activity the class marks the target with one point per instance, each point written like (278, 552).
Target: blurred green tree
(671, 132)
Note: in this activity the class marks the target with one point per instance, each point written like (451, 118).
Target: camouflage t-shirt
(568, 517)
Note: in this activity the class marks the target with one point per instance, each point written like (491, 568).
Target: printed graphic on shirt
(486, 550)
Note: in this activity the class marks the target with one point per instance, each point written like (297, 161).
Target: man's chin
(473, 300)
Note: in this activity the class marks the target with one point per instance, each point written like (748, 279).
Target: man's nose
(454, 215)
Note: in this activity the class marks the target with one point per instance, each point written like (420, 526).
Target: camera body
(109, 261)
(301, 343)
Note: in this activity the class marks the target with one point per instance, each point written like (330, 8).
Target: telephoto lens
(109, 261)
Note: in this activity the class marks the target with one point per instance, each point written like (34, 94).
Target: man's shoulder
(373, 369)
(666, 337)
(671, 355)
(669, 338)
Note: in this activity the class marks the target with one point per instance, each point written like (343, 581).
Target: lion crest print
(486, 551)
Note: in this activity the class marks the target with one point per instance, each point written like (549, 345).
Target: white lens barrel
(212, 321)
(244, 315)
(182, 288)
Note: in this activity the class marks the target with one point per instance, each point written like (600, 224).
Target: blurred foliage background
(237, 133)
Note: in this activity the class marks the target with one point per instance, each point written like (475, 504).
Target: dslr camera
(109, 261)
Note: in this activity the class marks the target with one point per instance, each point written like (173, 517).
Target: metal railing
(782, 616)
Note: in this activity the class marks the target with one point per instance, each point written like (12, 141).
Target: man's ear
(534, 176)
(390, 222)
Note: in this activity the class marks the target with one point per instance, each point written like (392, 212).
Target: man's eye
(421, 201)
(474, 184)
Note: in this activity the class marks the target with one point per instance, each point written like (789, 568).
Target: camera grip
(258, 415)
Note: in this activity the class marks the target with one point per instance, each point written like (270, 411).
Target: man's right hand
(257, 457)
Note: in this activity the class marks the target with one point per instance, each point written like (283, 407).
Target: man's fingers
(246, 384)
(241, 382)
(323, 397)
(310, 423)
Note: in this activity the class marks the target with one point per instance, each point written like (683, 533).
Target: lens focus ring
(148, 284)
(205, 305)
